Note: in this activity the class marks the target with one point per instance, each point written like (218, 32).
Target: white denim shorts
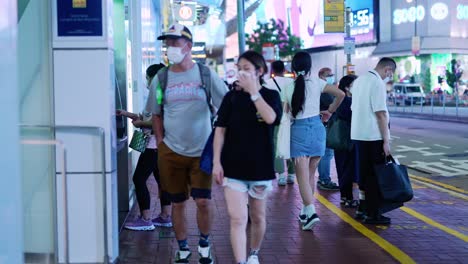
(255, 189)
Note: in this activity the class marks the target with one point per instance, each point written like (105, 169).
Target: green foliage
(426, 80)
(274, 32)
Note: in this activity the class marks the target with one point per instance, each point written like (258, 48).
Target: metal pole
(348, 31)
(432, 104)
(241, 25)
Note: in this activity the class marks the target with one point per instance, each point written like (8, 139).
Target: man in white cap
(181, 99)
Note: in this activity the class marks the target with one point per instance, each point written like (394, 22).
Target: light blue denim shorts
(255, 189)
(308, 137)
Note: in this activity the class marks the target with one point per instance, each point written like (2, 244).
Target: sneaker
(343, 200)
(182, 256)
(302, 218)
(360, 215)
(205, 255)
(140, 224)
(282, 181)
(377, 220)
(162, 221)
(253, 259)
(290, 179)
(351, 203)
(330, 186)
(311, 222)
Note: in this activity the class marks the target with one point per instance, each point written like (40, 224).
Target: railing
(101, 133)
(61, 146)
(442, 105)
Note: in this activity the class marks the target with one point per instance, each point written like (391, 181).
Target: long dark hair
(346, 81)
(301, 64)
(257, 60)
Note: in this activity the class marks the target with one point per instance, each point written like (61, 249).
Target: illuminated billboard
(306, 18)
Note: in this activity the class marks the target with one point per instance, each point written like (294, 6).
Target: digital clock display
(361, 18)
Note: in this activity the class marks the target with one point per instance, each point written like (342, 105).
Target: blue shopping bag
(206, 159)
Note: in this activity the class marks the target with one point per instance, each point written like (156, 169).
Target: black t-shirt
(247, 152)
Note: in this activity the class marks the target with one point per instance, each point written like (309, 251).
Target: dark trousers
(370, 153)
(147, 164)
(345, 167)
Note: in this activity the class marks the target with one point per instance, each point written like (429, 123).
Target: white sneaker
(253, 259)
(182, 256)
(205, 255)
(282, 180)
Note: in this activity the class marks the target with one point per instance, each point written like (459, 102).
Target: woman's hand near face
(248, 82)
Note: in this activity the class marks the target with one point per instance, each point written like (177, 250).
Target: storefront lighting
(439, 11)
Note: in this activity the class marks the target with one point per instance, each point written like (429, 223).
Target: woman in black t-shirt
(243, 152)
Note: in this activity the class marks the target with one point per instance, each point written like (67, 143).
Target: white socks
(308, 210)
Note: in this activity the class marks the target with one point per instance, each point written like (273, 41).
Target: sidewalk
(337, 239)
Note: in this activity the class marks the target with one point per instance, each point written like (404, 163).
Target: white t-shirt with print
(313, 88)
(369, 96)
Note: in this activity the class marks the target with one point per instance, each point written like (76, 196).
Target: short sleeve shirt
(314, 87)
(247, 152)
(187, 115)
(369, 96)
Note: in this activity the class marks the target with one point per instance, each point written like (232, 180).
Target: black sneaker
(205, 255)
(302, 218)
(377, 220)
(182, 256)
(311, 222)
(360, 215)
(351, 203)
(330, 186)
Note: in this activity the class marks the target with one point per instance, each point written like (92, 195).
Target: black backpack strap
(276, 84)
(162, 79)
(205, 76)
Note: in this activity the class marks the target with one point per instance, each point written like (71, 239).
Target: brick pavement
(332, 241)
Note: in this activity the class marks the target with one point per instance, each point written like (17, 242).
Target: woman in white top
(307, 132)
(147, 164)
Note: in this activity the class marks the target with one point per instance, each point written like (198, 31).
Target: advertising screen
(306, 18)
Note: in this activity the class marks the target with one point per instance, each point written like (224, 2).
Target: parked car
(404, 93)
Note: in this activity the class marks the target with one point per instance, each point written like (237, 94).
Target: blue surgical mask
(331, 79)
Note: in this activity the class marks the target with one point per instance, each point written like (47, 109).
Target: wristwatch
(255, 97)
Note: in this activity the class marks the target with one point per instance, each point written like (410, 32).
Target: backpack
(205, 76)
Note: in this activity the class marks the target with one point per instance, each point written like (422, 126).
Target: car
(408, 93)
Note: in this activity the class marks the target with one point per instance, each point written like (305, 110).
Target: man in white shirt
(369, 129)
(278, 83)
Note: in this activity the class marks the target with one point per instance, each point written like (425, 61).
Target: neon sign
(408, 15)
(462, 12)
(439, 11)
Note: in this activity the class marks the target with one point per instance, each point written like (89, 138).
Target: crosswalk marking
(425, 151)
(416, 141)
(442, 146)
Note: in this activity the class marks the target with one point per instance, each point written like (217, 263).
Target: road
(432, 149)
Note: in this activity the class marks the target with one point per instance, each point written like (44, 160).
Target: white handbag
(283, 146)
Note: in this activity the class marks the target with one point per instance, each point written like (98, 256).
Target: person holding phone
(243, 149)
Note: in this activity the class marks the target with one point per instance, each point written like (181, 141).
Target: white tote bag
(284, 137)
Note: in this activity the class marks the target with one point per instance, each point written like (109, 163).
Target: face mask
(330, 79)
(388, 78)
(175, 55)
